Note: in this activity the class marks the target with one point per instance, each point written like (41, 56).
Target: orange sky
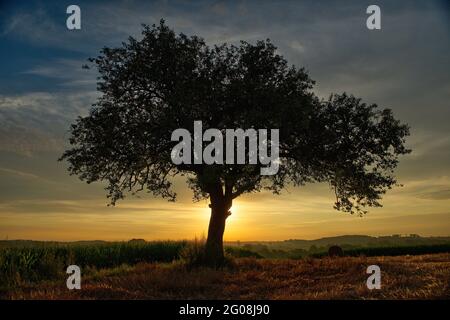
(304, 213)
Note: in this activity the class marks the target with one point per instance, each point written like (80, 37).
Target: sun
(235, 209)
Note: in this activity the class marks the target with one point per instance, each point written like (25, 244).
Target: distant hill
(346, 241)
(293, 248)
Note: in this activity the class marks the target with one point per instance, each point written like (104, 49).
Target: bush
(241, 253)
(393, 251)
(193, 254)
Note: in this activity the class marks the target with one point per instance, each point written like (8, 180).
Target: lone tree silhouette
(165, 81)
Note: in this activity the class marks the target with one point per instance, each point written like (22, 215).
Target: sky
(43, 89)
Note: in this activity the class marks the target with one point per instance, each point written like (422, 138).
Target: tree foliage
(165, 81)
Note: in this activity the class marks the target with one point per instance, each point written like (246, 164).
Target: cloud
(436, 195)
(21, 24)
(426, 144)
(68, 72)
(297, 46)
(437, 188)
(39, 121)
(19, 173)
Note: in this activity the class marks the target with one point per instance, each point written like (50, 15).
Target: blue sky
(404, 66)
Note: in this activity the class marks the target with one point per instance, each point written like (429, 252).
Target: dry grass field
(402, 277)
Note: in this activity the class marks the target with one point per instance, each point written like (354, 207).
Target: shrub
(193, 254)
(242, 253)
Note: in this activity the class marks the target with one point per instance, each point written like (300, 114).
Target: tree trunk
(214, 255)
(220, 206)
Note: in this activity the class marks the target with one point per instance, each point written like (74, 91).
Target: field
(403, 277)
(165, 270)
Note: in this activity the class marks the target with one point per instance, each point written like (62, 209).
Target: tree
(152, 86)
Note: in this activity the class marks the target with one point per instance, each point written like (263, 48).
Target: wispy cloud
(39, 121)
(69, 72)
(19, 173)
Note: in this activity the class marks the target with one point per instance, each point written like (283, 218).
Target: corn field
(20, 265)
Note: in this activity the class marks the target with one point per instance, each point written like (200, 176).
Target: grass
(172, 270)
(403, 277)
(20, 265)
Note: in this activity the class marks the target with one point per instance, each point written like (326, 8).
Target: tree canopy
(164, 81)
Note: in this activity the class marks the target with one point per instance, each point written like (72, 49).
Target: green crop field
(48, 261)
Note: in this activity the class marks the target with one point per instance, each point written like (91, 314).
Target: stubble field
(402, 277)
